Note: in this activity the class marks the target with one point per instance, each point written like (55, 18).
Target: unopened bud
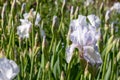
(112, 28)
(86, 72)
(43, 43)
(55, 19)
(102, 7)
(31, 15)
(1, 53)
(68, 36)
(71, 12)
(114, 44)
(76, 11)
(107, 15)
(118, 44)
(64, 2)
(42, 33)
(54, 23)
(118, 56)
(18, 2)
(62, 76)
(106, 27)
(13, 5)
(23, 7)
(3, 10)
(36, 38)
(56, 3)
(30, 52)
(10, 16)
(47, 65)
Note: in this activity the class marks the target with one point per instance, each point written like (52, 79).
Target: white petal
(69, 52)
(2, 77)
(23, 30)
(94, 20)
(89, 38)
(24, 21)
(26, 15)
(92, 56)
(82, 20)
(15, 69)
(75, 37)
(73, 25)
(95, 32)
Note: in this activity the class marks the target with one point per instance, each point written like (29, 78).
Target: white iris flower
(24, 29)
(84, 36)
(8, 69)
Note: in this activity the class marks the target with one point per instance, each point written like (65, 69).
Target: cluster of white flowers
(24, 29)
(8, 69)
(84, 36)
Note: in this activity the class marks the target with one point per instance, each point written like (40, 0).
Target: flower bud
(118, 44)
(71, 12)
(55, 19)
(64, 2)
(23, 7)
(86, 72)
(47, 66)
(76, 12)
(2, 53)
(102, 7)
(68, 36)
(36, 38)
(118, 56)
(62, 76)
(54, 23)
(3, 10)
(113, 27)
(107, 15)
(31, 15)
(42, 33)
(43, 43)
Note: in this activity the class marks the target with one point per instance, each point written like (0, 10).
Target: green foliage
(40, 60)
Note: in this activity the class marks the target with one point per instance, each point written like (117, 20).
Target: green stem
(31, 69)
(51, 43)
(104, 66)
